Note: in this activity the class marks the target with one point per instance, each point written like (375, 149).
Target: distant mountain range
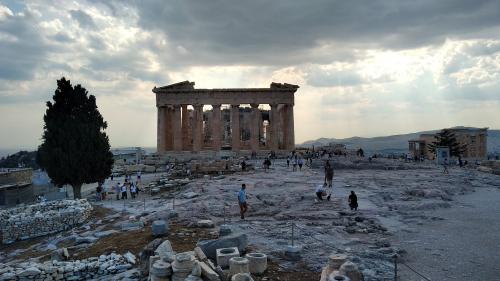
(393, 144)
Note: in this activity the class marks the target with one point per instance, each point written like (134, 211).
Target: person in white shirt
(320, 191)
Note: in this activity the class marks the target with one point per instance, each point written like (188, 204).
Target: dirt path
(463, 246)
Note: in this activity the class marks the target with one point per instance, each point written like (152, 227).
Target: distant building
(129, 155)
(15, 186)
(473, 139)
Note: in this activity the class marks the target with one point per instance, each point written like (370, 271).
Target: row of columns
(173, 127)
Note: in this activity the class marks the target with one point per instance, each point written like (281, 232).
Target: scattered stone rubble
(43, 218)
(194, 265)
(339, 268)
(94, 268)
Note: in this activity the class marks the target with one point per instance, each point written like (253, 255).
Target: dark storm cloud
(83, 19)
(288, 32)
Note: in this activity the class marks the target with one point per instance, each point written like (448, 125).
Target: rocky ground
(397, 202)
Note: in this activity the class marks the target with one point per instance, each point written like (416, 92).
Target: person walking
(133, 190)
(288, 161)
(300, 162)
(124, 191)
(242, 201)
(445, 166)
(118, 190)
(353, 201)
(329, 178)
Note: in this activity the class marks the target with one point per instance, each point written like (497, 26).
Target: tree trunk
(77, 191)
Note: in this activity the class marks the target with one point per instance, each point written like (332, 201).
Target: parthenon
(229, 125)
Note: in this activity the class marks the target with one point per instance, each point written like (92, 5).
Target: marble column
(235, 127)
(176, 128)
(168, 128)
(254, 127)
(273, 127)
(216, 127)
(198, 127)
(160, 139)
(290, 130)
(186, 141)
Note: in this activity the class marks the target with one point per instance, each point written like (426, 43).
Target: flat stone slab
(189, 195)
(105, 233)
(127, 226)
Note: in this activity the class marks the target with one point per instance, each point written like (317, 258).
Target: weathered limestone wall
(88, 269)
(40, 219)
(15, 176)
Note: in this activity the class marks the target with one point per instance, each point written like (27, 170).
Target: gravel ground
(465, 245)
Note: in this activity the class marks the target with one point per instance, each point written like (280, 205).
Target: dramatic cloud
(364, 67)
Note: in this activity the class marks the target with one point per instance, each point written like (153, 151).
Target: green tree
(447, 138)
(75, 149)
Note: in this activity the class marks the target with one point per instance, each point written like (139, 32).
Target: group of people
(120, 190)
(296, 160)
(321, 190)
(125, 188)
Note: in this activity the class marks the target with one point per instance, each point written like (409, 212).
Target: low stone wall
(40, 219)
(87, 269)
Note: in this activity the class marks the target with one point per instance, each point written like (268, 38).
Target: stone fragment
(159, 228)
(129, 257)
(165, 251)
(199, 254)
(133, 225)
(335, 261)
(161, 269)
(205, 223)
(257, 262)
(85, 239)
(350, 270)
(208, 273)
(224, 230)
(196, 271)
(209, 247)
(293, 253)
(100, 234)
(225, 254)
(190, 195)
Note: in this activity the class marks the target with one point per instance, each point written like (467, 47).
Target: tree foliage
(447, 138)
(75, 149)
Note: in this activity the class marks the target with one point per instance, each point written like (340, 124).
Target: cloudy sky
(365, 68)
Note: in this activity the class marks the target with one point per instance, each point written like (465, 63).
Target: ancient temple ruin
(237, 120)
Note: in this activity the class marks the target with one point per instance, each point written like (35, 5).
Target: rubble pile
(87, 269)
(43, 218)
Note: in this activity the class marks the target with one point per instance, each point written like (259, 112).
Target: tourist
(118, 190)
(242, 201)
(98, 192)
(267, 164)
(124, 191)
(320, 191)
(133, 190)
(445, 166)
(353, 201)
(243, 165)
(104, 191)
(294, 165)
(329, 178)
(300, 162)
(288, 161)
(138, 176)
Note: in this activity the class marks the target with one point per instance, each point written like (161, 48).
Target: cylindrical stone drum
(238, 265)
(241, 277)
(257, 262)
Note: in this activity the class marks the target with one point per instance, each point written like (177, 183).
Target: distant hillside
(20, 159)
(393, 144)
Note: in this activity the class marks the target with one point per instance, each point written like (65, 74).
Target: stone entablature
(180, 129)
(35, 220)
